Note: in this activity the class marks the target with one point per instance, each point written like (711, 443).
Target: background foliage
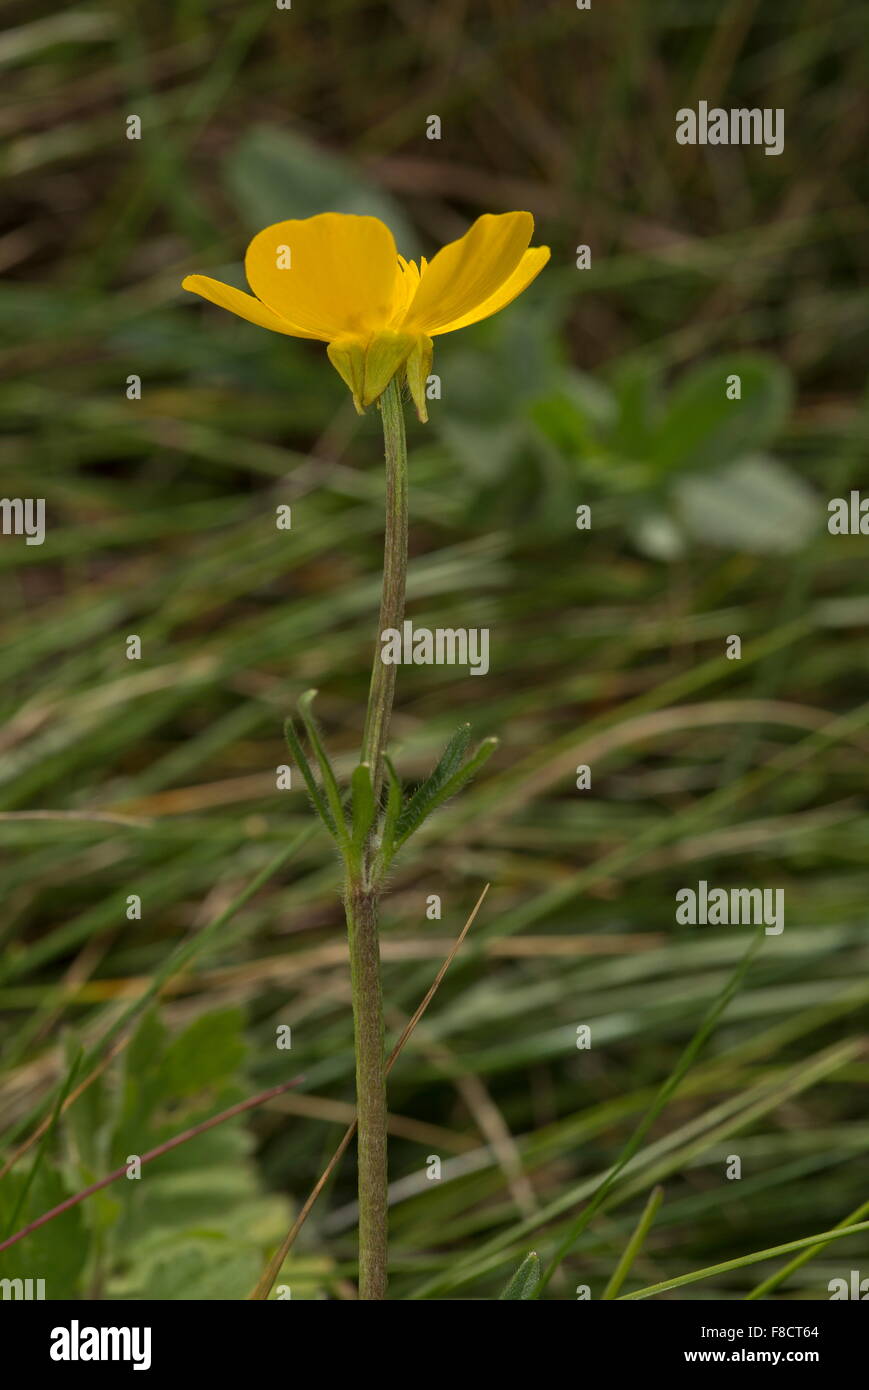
(601, 387)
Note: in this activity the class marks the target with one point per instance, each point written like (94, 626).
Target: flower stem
(382, 686)
(361, 910)
(362, 892)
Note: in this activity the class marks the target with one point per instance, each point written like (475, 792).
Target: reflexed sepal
(347, 356)
(418, 369)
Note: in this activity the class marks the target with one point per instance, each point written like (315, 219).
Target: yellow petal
(406, 287)
(237, 302)
(418, 369)
(469, 271)
(528, 268)
(335, 275)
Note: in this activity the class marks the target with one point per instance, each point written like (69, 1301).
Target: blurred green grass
(601, 387)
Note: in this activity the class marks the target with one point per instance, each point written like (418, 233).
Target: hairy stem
(382, 688)
(361, 909)
(362, 892)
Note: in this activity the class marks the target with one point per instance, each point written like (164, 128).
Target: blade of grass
(635, 1244)
(824, 1237)
(668, 1089)
(775, 1280)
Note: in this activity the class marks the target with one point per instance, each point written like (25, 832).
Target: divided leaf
(352, 828)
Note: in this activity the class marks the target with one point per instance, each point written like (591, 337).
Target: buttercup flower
(338, 278)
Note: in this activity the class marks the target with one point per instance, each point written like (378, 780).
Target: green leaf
(701, 428)
(319, 805)
(757, 505)
(330, 785)
(363, 804)
(203, 1275)
(525, 1280)
(393, 811)
(141, 1091)
(451, 787)
(206, 1054)
(56, 1252)
(45, 1142)
(451, 759)
(204, 1057)
(637, 386)
(634, 1245)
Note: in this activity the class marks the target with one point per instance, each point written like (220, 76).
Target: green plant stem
(361, 909)
(382, 688)
(634, 1245)
(362, 889)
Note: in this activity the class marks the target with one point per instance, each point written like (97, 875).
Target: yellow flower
(339, 278)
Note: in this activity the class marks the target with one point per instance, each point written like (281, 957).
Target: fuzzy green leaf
(448, 789)
(425, 795)
(330, 785)
(525, 1280)
(295, 747)
(363, 804)
(393, 811)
